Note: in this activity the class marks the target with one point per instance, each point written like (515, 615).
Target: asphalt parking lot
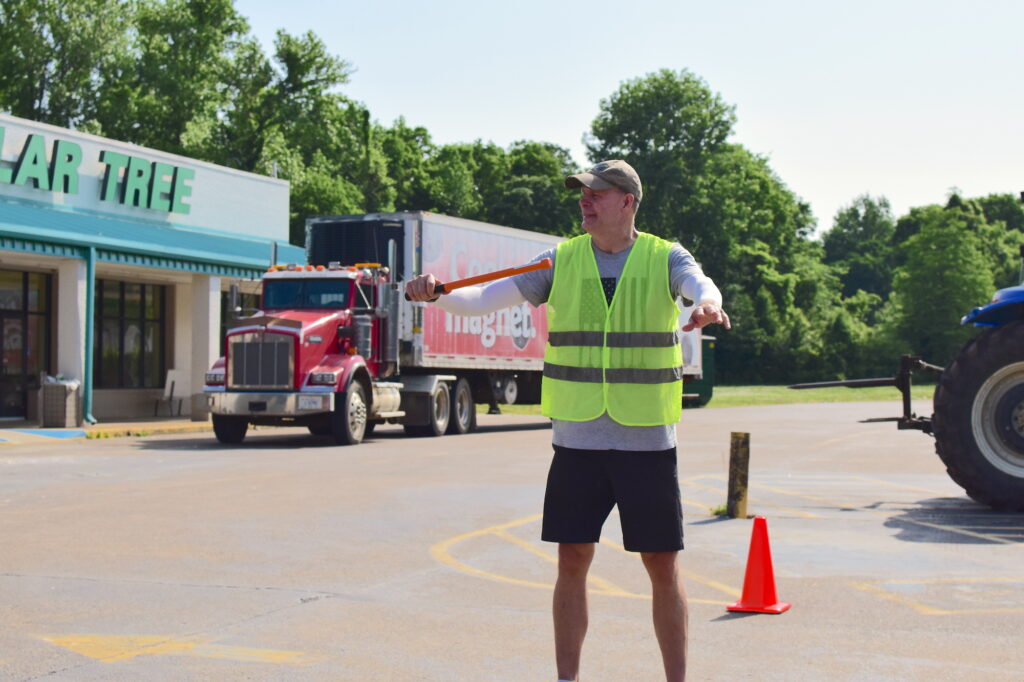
(173, 558)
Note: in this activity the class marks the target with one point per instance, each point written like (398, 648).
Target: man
(613, 389)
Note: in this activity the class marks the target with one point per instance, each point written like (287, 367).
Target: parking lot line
(689, 575)
(901, 486)
(601, 584)
(114, 648)
(877, 588)
(442, 553)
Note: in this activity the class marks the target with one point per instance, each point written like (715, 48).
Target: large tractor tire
(348, 422)
(979, 418)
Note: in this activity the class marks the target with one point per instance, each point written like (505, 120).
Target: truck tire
(979, 418)
(463, 412)
(438, 412)
(229, 429)
(348, 423)
(318, 429)
(509, 390)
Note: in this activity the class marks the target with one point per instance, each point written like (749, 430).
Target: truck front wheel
(348, 423)
(979, 418)
(229, 428)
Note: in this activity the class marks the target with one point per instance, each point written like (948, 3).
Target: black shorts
(584, 485)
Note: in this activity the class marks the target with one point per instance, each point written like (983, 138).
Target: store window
(131, 327)
(24, 337)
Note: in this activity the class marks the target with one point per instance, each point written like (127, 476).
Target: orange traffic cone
(759, 584)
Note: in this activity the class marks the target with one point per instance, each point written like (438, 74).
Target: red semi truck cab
(314, 355)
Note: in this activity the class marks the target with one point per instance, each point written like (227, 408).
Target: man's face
(605, 208)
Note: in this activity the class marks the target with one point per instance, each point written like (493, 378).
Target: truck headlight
(323, 378)
(214, 378)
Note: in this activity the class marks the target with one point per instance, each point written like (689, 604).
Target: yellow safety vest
(624, 358)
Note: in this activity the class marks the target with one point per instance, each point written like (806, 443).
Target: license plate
(310, 402)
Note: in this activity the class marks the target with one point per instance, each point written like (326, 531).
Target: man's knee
(575, 558)
(661, 566)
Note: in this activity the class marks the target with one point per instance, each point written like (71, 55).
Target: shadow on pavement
(957, 520)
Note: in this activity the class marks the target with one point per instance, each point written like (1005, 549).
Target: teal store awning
(52, 231)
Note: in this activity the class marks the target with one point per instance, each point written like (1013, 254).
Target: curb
(139, 431)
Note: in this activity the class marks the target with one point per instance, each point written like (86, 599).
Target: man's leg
(570, 606)
(670, 612)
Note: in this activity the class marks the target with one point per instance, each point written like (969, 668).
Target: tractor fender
(1007, 306)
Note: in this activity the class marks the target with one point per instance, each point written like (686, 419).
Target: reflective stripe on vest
(621, 357)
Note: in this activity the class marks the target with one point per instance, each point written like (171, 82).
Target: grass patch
(751, 396)
(746, 396)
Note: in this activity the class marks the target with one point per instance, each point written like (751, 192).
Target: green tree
(1006, 208)
(52, 53)
(167, 91)
(669, 126)
(860, 246)
(534, 196)
(407, 152)
(946, 273)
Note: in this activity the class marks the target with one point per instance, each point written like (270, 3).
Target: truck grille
(261, 360)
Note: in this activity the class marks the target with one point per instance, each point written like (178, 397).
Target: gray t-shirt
(604, 433)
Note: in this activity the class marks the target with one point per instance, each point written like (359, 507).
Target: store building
(115, 261)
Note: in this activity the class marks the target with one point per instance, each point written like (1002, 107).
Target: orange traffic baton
(448, 287)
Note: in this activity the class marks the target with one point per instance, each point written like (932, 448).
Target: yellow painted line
(924, 609)
(901, 486)
(698, 505)
(691, 482)
(250, 655)
(442, 553)
(689, 575)
(113, 648)
(899, 599)
(603, 585)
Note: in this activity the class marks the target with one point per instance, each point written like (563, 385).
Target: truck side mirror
(233, 301)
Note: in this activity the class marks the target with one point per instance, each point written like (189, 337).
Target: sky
(902, 99)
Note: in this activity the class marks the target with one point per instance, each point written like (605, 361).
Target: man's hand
(705, 314)
(421, 288)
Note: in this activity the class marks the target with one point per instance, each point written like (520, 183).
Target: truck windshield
(306, 293)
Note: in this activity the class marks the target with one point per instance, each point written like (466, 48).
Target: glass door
(13, 376)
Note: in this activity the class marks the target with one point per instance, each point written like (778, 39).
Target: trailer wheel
(229, 429)
(348, 423)
(509, 390)
(438, 412)
(979, 418)
(463, 412)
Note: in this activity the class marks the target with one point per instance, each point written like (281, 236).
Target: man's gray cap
(613, 174)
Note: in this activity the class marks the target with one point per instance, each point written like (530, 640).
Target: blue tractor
(978, 419)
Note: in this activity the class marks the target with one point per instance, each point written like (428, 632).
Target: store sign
(127, 180)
